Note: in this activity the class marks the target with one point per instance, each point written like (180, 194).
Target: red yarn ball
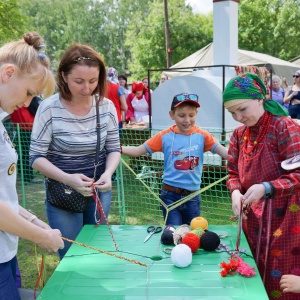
(191, 240)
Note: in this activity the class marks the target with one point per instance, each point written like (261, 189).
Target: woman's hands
(81, 183)
(253, 194)
(85, 185)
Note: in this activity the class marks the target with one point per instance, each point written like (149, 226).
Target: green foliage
(127, 36)
(268, 26)
(188, 33)
(130, 34)
(101, 24)
(12, 21)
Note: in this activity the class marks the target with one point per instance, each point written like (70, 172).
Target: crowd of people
(286, 95)
(75, 141)
(137, 98)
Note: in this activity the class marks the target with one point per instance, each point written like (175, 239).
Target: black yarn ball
(167, 235)
(209, 241)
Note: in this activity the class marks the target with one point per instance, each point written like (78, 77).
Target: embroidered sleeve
(233, 182)
(287, 136)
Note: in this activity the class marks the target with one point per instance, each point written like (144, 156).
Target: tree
(268, 26)
(12, 21)
(146, 37)
(101, 24)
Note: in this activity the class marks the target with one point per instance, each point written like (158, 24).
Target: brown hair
(185, 104)
(29, 60)
(79, 54)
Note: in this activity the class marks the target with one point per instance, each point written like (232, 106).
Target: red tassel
(244, 269)
(236, 265)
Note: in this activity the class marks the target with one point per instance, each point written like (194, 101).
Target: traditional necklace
(250, 146)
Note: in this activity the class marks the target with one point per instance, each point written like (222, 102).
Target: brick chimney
(225, 39)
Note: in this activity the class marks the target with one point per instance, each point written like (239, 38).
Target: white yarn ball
(181, 256)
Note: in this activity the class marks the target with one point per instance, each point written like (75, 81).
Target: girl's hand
(254, 194)
(236, 198)
(290, 284)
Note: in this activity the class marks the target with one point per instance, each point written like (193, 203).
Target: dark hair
(125, 78)
(84, 55)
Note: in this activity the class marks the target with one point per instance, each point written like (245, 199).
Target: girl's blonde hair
(28, 57)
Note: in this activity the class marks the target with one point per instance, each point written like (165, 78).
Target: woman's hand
(236, 198)
(51, 241)
(104, 182)
(254, 194)
(81, 183)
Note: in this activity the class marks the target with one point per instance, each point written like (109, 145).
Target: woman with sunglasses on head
(64, 139)
(292, 97)
(24, 73)
(183, 146)
(258, 182)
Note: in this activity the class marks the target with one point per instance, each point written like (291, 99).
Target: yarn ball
(167, 235)
(198, 231)
(199, 222)
(191, 240)
(181, 256)
(209, 241)
(180, 232)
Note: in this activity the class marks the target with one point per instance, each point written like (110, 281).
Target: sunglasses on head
(182, 97)
(296, 76)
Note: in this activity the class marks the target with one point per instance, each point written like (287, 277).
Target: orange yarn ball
(191, 240)
(199, 222)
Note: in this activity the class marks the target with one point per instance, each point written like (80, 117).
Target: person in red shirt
(24, 116)
(138, 103)
(116, 93)
(268, 194)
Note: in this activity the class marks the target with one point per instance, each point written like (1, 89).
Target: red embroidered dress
(273, 225)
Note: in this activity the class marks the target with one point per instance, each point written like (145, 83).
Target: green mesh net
(137, 185)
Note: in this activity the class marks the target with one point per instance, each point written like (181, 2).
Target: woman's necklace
(248, 145)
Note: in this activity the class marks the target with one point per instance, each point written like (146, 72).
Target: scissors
(151, 230)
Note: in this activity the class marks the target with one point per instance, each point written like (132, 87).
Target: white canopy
(297, 62)
(204, 57)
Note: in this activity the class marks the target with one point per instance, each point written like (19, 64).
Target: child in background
(183, 146)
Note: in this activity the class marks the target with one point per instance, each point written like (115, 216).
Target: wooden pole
(167, 34)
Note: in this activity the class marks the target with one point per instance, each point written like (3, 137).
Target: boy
(183, 145)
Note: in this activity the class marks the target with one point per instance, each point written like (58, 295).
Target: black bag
(34, 105)
(65, 197)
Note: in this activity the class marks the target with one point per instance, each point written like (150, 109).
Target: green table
(86, 274)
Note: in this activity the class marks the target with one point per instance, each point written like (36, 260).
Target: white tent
(297, 62)
(204, 57)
